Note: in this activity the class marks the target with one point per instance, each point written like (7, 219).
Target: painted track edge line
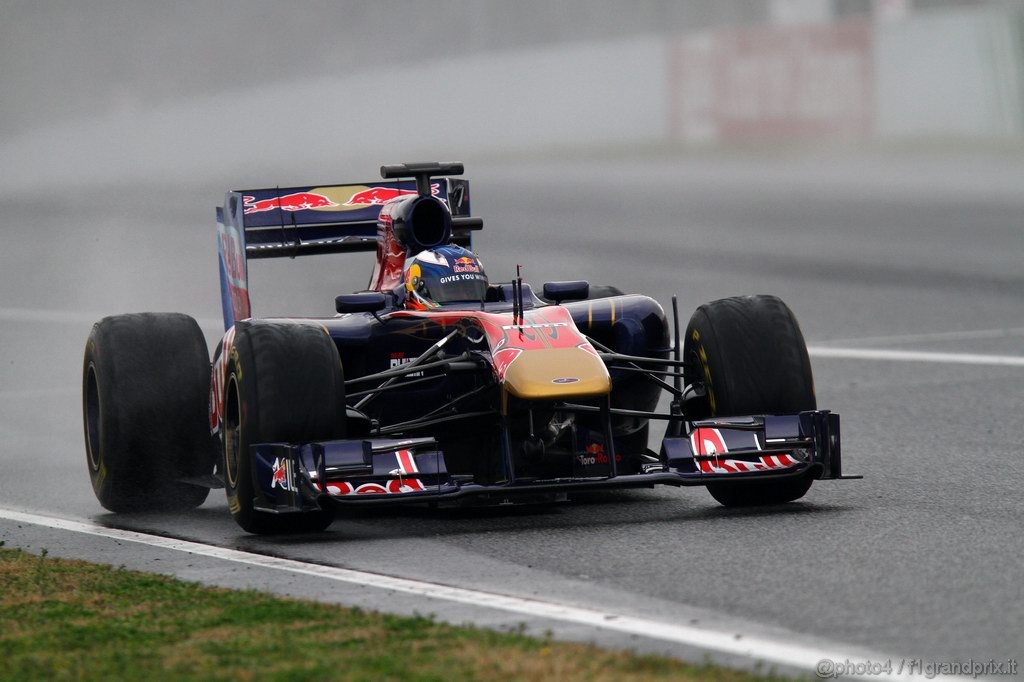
(757, 648)
(915, 356)
(79, 317)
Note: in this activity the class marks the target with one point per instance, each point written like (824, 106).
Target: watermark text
(828, 668)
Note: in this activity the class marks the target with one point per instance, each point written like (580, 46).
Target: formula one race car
(436, 385)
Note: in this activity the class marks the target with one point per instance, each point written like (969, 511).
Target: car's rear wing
(300, 221)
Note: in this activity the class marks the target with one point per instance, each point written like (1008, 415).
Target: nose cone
(557, 373)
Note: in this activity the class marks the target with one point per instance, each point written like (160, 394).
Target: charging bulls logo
(280, 477)
(375, 196)
(330, 198)
(299, 201)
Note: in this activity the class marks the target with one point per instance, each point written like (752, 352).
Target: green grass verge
(62, 619)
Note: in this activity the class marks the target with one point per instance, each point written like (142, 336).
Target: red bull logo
(374, 196)
(465, 264)
(596, 452)
(299, 201)
(377, 195)
(279, 477)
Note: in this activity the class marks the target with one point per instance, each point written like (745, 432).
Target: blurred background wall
(129, 90)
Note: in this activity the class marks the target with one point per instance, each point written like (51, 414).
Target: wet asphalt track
(920, 559)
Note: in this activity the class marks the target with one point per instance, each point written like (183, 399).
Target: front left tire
(752, 359)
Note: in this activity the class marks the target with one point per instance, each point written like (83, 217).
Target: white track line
(74, 317)
(34, 315)
(916, 356)
(966, 335)
(22, 394)
(756, 648)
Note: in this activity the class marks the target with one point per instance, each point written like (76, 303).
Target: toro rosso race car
(436, 385)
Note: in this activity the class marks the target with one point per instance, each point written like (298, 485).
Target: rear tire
(145, 389)
(754, 361)
(284, 384)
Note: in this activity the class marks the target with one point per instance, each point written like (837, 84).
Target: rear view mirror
(365, 302)
(576, 290)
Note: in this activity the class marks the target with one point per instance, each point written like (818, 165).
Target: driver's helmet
(447, 274)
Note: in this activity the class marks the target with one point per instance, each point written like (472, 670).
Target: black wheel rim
(232, 431)
(92, 418)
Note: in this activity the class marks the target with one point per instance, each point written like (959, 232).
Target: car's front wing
(292, 477)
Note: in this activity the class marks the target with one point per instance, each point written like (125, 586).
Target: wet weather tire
(145, 390)
(284, 383)
(754, 361)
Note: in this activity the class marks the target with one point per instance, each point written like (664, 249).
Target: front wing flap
(743, 448)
